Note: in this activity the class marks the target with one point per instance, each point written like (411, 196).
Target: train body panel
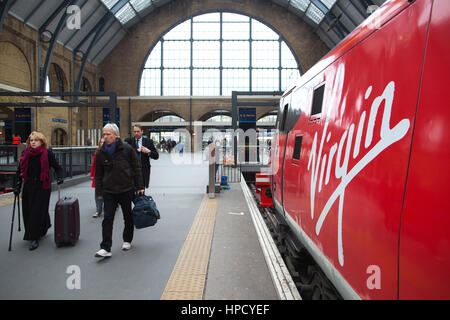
(343, 174)
(425, 235)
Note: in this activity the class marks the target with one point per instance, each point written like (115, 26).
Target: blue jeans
(99, 205)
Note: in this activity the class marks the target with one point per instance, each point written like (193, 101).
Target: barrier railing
(75, 160)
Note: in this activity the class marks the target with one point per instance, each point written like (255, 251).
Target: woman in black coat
(34, 169)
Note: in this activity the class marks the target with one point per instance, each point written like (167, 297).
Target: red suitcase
(67, 221)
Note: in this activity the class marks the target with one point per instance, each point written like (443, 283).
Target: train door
(279, 148)
(424, 257)
(292, 163)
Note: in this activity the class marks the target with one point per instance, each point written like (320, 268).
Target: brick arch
(14, 67)
(123, 74)
(153, 115)
(274, 112)
(210, 114)
(53, 77)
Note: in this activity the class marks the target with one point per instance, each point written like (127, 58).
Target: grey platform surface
(140, 273)
(237, 269)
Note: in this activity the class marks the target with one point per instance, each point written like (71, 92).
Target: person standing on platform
(98, 202)
(117, 177)
(145, 149)
(34, 169)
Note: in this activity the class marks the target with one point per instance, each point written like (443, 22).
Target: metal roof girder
(102, 23)
(5, 5)
(43, 73)
(106, 43)
(55, 13)
(76, 31)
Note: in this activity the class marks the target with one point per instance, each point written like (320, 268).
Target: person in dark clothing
(117, 177)
(145, 149)
(34, 169)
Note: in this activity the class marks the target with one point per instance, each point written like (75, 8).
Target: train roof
(380, 17)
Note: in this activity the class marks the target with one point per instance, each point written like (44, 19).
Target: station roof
(110, 20)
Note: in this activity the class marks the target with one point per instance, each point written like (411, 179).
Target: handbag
(145, 213)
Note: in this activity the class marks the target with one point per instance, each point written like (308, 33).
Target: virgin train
(360, 158)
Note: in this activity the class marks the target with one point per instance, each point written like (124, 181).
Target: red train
(360, 161)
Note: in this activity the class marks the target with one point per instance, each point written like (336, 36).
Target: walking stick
(12, 223)
(18, 208)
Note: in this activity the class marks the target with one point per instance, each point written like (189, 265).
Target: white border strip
(281, 277)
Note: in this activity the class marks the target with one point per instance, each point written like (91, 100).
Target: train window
(317, 100)
(283, 121)
(297, 147)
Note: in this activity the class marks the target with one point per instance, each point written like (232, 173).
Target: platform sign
(22, 115)
(59, 120)
(107, 116)
(247, 115)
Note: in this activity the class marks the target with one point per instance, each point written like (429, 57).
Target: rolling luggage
(67, 220)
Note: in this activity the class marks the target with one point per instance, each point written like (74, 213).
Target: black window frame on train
(318, 95)
(298, 141)
(283, 115)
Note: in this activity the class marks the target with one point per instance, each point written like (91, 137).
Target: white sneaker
(102, 253)
(96, 215)
(126, 246)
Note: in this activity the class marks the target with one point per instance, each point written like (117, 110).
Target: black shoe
(34, 244)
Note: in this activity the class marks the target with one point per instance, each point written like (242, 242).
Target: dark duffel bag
(145, 213)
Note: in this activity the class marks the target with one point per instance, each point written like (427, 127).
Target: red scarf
(45, 167)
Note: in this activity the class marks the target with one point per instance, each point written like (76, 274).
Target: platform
(229, 262)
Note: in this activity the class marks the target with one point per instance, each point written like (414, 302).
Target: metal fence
(232, 173)
(73, 160)
(8, 154)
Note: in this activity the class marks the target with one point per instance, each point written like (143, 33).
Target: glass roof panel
(110, 3)
(328, 3)
(125, 14)
(140, 5)
(315, 14)
(300, 4)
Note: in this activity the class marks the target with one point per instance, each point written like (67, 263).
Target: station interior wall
(121, 69)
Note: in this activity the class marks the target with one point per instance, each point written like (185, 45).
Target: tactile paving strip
(187, 281)
(9, 201)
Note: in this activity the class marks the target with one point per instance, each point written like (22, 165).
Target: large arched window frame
(212, 54)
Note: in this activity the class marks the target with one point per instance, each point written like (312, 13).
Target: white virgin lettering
(388, 137)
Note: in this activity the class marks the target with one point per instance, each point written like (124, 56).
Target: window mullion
(191, 69)
(221, 55)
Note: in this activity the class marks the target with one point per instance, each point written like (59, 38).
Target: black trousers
(110, 201)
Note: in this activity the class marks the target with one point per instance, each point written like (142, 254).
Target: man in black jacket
(145, 150)
(117, 176)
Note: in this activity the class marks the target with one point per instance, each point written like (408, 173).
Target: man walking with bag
(145, 149)
(117, 176)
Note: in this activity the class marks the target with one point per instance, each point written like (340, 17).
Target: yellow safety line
(6, 202)
(187, 281)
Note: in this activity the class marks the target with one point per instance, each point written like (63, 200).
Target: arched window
(59, 137)
(271, 118)
(215, 53)
(170, 119)
(220, 118)
(47, 84)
